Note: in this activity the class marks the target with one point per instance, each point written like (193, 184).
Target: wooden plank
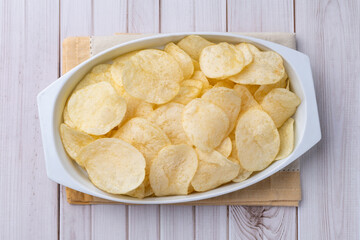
(260, 16)
(29, 60)
(143, 16)
(210, 15)
(262, 223)
(211, 222)
(266, 16)
(176, 16)
(143, 222)
(177, 222)
(329, 32)
(109, 16)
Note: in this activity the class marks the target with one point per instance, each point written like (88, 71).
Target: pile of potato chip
(188, 118)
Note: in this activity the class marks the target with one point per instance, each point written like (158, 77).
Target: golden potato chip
(138, 192)
(74, 140)
(144, 136)
(67, 119)
(225, 147)
(193, 45)
(96, 109)
(168, 118)
(224, 83)
(221, 61)
(196, 65)
(144, 109)
(247, 100)
(257, 140)
(243, 175)
(113, 165)
(266, 68)
(193, 83)
(152, 75)
(252, 88)
(183, 59)
(100, 73)
(199, 75)
(205, 124)
(265, 89)
(173, 169)
(186, 94)
(213, 170)
(248, 56)
(226, 99)
(287, 84)
(286, 132)
(280, 104)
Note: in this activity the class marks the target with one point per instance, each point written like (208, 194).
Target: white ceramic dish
(61, 169)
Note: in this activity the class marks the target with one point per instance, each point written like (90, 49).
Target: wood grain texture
(176, 16)
(211, 222)
(177, 222)
(329, 32)
(143, 222)
(210, 15)
(109, 17)
(143, 16)
(262, 223)
(29, 60)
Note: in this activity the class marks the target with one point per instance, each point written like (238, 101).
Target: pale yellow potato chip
(113, 165)
(287, 84)
(247, 100)
(193, 83)
(253, 49)
(152, 75)
(266, 68)
(205, 124)
(221, 61)
(186, 94)
(225, 147)
(118, 65)
(226, 99)
(252, 88)
(242, 176)
(196, 65)
(74, 140)
(173, 169)
(265, 89)
(145, 136)
(213, 170)
(280, 104)
(96, 109)
(224, 83)
(193, 45)
(100, 73)
(123, 58)
(286, 132)
(183, 59)
(248, 56)
(144, 190)
(199, 75)
(66, 117)
(168, 118)
(257, 140)
(144, 109)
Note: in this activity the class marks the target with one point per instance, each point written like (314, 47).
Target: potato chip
(286, 132)
(248, 56)
(242, 175)
(225, 83)
(213, 170)
(118, 65)
(196, 65)
(287, 84)
(173, 170)
(221, 61)
(74, 140)
(138, 192)
(193, 83)
(266, 68)
(183, 59)
(205, 124)
(113, 165)
(144, 136)
(265, 89)
(280, 104)
(96, 109)
(225, 147)
(100, 73)
(247, 100)
(226, 99)
(193, 45)
(123, 58)
(67, 119)
(257, 140)
(144, 109)
(168, 118)
(152, 75)
(199, 75)
(186, 94)
(252, 88)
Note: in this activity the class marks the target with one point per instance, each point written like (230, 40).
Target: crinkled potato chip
(226, 99)
(205, 124)
(286, 132)
(74, 140)
(224, 83)
(152, 75)
(280, 104)
(193, 45)
(213, 170)
(247, 100)
(225, 147)
(100, 73)
(221, 61)
(184, 60)
(266, 68)
(248, 56)
(96, 109)
(168, 118)
(113, 165)
(265, 89)
(257, 140)
(173, 170)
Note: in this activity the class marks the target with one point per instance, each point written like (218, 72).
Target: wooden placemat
(280, 189)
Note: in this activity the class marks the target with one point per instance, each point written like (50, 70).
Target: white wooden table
(33, 207)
